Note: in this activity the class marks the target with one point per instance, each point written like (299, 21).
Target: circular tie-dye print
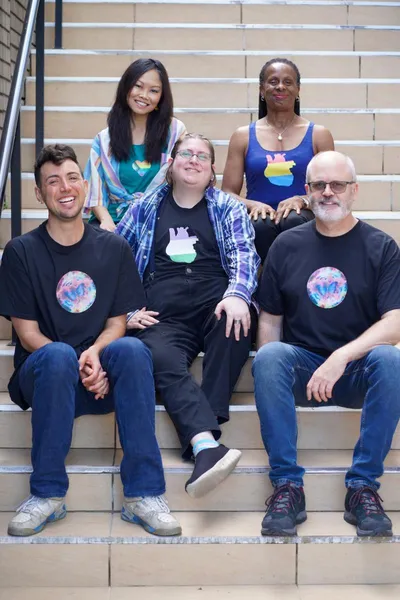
(76, 292)
(327, 287)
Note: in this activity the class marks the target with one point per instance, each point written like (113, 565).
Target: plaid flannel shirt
(233, 231)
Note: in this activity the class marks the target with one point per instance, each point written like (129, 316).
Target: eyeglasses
(188, 155)
(337, 187)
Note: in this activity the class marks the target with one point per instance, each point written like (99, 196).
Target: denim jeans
(50, 383)
(281, 373)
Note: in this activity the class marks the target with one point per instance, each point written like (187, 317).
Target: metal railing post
(16, 183)
(39, 117)
(58, 25)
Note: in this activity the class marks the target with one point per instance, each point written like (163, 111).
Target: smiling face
(145, 94)
(62, 189)
(279, 87)
(189, 170)
(328, 206)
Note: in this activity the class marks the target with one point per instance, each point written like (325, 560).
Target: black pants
(187, 326)
(266, 231)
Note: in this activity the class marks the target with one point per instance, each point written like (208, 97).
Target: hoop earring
(262, 98)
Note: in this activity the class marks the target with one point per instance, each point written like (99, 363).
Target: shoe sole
(277, 531)
(214, 476)
(19, 532)
(131, 518)
(383, 532)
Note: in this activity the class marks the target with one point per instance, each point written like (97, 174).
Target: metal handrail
(13, 106)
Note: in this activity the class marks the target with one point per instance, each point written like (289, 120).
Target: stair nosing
(223, 26)
(197, 540)
(225, 80)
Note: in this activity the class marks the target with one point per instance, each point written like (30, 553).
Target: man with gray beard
(329, 323)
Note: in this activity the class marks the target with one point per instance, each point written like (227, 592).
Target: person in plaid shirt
(194, 249)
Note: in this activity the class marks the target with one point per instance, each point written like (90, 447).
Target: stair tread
(251, 459)
(211, 527)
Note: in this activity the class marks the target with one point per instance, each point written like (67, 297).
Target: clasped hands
(92, 374)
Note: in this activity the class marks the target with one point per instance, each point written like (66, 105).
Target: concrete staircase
(349, 57)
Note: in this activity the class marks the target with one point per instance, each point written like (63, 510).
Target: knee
(129, 349)
(385, 356)
(292, 220)
(270, 358)
(59, 357)
(168, 359)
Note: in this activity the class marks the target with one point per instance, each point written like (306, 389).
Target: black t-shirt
(185, 241)
(330, 289)
(70, 291)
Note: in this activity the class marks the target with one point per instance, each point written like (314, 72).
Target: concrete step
(326, 428)
(208, 592)
(224, 92)
(225, 549)
(95, 484)
(233, 63)
(207, 36)
(5, 329)
(199, 12)
(74, 122)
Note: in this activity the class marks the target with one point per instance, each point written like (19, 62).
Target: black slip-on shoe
(212, 466)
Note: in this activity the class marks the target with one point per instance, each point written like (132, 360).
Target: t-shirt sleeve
(388, 292)
(269, 295)
(17, 298)
(130, 294)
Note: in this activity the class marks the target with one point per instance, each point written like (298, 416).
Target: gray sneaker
(34, 513)
(152, 513)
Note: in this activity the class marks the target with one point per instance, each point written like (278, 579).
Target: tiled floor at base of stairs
(243, 592)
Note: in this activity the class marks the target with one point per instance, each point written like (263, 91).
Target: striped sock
(204, 445)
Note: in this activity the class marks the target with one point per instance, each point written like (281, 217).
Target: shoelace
(30, 502)
(156, 501)
(368, 498)
(283, 498)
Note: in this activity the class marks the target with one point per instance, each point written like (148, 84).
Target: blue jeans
(281, 373)
(50, 383)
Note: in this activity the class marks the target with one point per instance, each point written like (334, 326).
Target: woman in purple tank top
(273, 154)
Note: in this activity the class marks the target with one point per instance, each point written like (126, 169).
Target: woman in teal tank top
(273, 154)
(130, 156)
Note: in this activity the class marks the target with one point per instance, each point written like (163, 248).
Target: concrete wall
(12, 14)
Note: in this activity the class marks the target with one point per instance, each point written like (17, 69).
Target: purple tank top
(274, 176)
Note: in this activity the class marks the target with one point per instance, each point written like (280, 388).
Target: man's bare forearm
(269, 329)
(29, 334)
(115, 328)
(384, 332)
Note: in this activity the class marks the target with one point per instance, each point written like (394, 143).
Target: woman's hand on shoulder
(286, 206)
(142, 319)
(322, 139)
(259, 209)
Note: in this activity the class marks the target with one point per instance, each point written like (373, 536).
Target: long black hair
(262, 105)
(158, 121)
